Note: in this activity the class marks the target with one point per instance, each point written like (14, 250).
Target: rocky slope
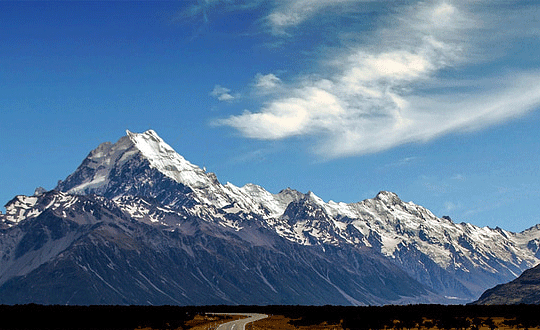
(137, 223)
(88, 250)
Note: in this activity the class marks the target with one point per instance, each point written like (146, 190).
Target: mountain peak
(149, 133)
(95, 172)
(388, 197)
(163, 157)
(314, 198)
(131, 166)
(149, 143)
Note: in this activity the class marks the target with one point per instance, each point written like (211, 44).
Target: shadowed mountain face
(523, 290)
(136, 223)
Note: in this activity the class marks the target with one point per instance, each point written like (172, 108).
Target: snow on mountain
(162, 157)
(20, 208)
(28, 207)
(95, 176)
(400, 224)
(455, 259)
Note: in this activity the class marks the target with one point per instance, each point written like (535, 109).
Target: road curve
(240, 324)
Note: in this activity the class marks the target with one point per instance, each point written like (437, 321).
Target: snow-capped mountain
(141, 182)
(137, 162)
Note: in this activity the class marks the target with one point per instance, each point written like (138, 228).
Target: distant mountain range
(136, 223)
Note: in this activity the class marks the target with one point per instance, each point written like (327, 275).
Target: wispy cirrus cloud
(381, 94)
(290, 13)
(202, 9)
(407, 161)
(283, 14)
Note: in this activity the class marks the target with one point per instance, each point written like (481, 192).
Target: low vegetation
(413, 317)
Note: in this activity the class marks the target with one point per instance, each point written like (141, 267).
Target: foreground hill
(136, 223)
(523, 290)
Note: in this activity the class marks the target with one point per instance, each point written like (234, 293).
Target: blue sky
(437, 101)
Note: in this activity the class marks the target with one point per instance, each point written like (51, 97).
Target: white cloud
(377, 96)
(267, 83)
(290, 116)
(222, 93)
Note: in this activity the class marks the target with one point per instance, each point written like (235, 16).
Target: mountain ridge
(147, 183)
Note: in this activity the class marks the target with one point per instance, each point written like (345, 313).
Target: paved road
(241, 324)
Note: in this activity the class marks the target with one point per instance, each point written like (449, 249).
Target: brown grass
(204, 322)
(280, 322)
(498, 324)
(208, 321)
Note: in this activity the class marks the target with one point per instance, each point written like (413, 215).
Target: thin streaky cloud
(202, 9)
(285, 14)
(407, 161)
(373, 100)
(291, 13)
